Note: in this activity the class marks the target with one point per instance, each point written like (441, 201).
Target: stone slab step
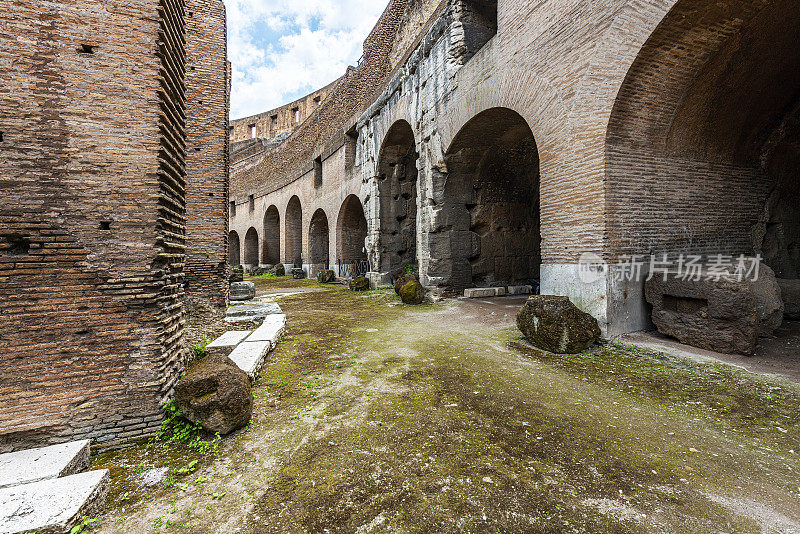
(46, 463)
(520, 290)
(484, 292)
(255, 311)
(228, 341)
(270, 330)
(250, 356)
(52, 506)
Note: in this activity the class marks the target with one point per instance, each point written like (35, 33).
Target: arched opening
(492, 202)
(397, 194)
(234, 249)
(251, 247)
(703, 145)
(351, 236)
(272, 236)
(294, 232)
(319, 238)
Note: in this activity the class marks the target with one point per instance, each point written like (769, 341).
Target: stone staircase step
(254, 311)
(24, 467)
(228, 341)
(52, 506)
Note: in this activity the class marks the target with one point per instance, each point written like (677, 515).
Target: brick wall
(92, 225)
(207, 151)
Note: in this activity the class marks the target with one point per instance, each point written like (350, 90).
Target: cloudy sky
(284, 49)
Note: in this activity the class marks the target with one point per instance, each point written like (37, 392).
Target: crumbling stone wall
(93, 225)
(207, 151)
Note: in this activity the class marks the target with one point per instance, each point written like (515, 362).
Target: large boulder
(769, 304)
(719, 315)
(326, 276)
(241, 291)
(215, 394)
(279, 270)
(359, 284)
(556, 325)
(790, 294)
(298, 273)
(403, 279)
(412, 292)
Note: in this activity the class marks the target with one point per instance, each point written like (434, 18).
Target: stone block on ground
(52, 506)
(271, 330)
(790, 294)
(279, 270)
(412, 293)
(241, 291)
(254, 311)
(228, 341)
(250, 356)
(326, 276)
(298, 273)
(556, 325)
(520, 290)
(237, 274)
(480, 292)
(719, 315)
(359, 284)
(216, 394)
(33, 465)
(403, 279)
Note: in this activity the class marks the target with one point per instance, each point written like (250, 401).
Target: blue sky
(284, 49)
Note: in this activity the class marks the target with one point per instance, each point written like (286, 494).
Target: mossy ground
(377, 417)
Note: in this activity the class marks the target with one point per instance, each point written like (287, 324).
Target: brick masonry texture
(658, 126)
(207, 165)
(93, 219)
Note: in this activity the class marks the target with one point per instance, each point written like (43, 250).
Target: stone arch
(351, 231)
(294, 232)
(318, 240)
(397, 172)
(702, 145)
(491, 205)
(272, 236)
(234, 249)
(251, 247)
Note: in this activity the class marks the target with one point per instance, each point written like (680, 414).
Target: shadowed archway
(294, 232)
(251, 247)
(234, 249)
(319, 239)
(272, 236)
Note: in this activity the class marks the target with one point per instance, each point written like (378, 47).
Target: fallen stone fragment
(241, 291)
(215, 394)
(719, 315)
(359, 284)
(298, 273)
(253, 311)
(403, 279)
(279, 270)
(412, 293)
(52, 506)
(326, 276)
(556, 325)
(237, 274)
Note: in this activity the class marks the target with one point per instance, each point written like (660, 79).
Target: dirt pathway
(375, 417)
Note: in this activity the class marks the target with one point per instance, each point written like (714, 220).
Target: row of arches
(265, 248)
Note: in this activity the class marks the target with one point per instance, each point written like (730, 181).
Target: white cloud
(283, 49)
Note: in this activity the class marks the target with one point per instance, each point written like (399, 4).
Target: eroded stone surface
(790, 293)
(241, 291)
(216, 394)
(555, 324)
(719, 315)
(271, 330)
(254, 311)
(225, 343)
(52, 506)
